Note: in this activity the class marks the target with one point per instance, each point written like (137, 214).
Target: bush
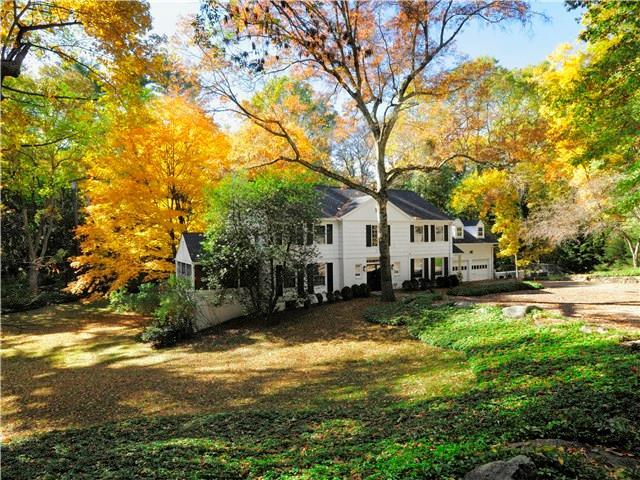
(330, 297)
(16, 296)
(347, 294)
(290, 304)
(305, 302)
(320, 298)
(415, 284)
(365, 290)
(442, 282)
(173, 319)
(424, 283)
(337, 295)
(454, 280)
(355, 290)
(406, 286)
(145, 301)
(489, 288)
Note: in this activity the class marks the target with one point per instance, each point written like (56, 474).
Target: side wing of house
(474, 251)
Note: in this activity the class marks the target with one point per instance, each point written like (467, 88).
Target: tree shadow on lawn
(442, 437)
(584, 390)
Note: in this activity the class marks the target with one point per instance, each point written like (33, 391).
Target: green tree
(259, 238)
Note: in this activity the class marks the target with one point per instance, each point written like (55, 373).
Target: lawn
(322, 395)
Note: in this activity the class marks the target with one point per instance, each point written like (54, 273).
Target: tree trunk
(386, 282)
(34, 273)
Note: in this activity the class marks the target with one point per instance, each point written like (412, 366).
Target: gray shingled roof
(470, 223)
(193, 241)
(336, 202)
(457, 250)
(468, 238)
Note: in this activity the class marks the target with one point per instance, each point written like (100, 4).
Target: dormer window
(480, 231)
(458, 232)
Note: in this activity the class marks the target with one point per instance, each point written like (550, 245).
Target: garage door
(479, 270)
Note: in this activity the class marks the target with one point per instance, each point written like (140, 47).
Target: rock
(632, 344)
(585, 329)
(516, 311)
(463, 303)
(518, 468)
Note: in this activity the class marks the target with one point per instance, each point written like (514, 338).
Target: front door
(374, 276)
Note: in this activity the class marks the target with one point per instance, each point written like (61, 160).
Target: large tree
(381, 56)
(42, 151)
(145, 188)
(260, 238)
(89, 33)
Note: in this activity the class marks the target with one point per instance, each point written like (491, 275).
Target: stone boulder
(518, 468)
(517, 311)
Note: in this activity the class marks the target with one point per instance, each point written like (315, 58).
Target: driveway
(611, 304)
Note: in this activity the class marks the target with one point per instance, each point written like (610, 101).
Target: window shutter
(433, 268)
(425, 267)
(329, 233)
(432, 236)
(279, 281)
(309, 234)
(301, 281)
(311, 269)
(413, 267)
(389, 235)
(300, 235)
(446, 233)
(368, 235)
(446, 266)
(411, 233)
(329, 277)
(425, 233)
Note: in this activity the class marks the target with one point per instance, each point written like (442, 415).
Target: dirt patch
(607, 304)
(74, 366)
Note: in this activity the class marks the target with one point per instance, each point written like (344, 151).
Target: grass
(620, 272)
(520, 380)
(480, 289)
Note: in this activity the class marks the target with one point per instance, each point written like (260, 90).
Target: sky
(514, 47)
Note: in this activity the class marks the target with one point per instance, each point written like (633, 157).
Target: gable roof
(457, 250)
(470, 223)
(337, 202)
(193, 241)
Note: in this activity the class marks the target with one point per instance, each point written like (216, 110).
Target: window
(459, 233)
(438, 265)
(372, 235)
(320, 236)
(439, 233)
(417, 268)
(289, 278)
(395, 268)
(358, 271)
(420, 231)
(481, 266)
(480, 231)
(184, 270)
(320, 275)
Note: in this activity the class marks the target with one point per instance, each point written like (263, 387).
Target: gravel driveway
(600, 303)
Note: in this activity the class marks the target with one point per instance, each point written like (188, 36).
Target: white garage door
(479, 269)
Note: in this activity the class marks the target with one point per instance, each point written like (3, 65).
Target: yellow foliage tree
(145, 189)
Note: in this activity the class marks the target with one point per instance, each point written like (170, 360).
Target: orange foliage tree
(146, 187)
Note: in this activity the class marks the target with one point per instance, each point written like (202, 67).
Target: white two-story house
(425, 243)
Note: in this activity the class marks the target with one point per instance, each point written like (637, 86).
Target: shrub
(401, 312)
(489, 288)
(442, 282)
(424, 283)
(337, 295)
(365, 290)
(290, 304)
(347, 294)
(415, 284)
(355, 290)
(173, 319)
(145, 301)
(330, 297)
(306, 302)
(406, 285)
(320, 298)
(454, 281)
